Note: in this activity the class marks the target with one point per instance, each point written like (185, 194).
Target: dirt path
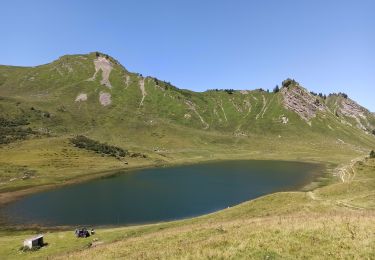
(347, 173)
(192, 107)
(222, 108)
(263, 108)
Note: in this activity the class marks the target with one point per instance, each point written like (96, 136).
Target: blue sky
(328, 46)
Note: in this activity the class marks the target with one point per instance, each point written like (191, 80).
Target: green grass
(318, 224)
(311, 225)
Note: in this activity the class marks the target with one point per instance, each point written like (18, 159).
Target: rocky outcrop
(350, 108)
(300, 101)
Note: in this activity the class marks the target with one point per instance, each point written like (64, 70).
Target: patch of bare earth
(105, 98)
(104, 65)
(143, 90)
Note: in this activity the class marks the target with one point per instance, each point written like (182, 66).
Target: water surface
(160, 194)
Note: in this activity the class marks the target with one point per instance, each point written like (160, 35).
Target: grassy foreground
(334, 221)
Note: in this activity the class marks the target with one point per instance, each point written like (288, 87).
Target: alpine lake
(160, 194)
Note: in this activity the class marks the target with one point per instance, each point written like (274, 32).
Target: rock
(284, 119)
(81, 97)
(349, 108)
(300, 101)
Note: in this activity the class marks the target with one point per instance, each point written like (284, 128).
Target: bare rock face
(300, 101)
(350, 108)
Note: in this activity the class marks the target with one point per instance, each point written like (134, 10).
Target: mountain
(86, 116)
(95, 96)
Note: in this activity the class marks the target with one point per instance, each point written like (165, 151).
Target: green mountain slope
(95, 96)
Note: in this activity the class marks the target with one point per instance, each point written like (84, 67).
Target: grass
(334, 221)
(311, 225)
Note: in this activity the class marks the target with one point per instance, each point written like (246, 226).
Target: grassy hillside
(95, 96)
(42, 108)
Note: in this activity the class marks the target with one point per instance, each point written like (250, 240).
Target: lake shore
(17, 195)
(322, 216)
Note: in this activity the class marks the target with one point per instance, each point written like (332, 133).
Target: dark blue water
(160, 194)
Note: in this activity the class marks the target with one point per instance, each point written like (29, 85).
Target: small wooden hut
(33, 242)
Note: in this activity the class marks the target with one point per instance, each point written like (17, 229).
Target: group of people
(83, 232)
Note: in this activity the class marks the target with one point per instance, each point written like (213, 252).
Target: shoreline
(9, 197)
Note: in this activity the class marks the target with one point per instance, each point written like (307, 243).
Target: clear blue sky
(326, 45)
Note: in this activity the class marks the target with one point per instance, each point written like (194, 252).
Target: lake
(160, 194)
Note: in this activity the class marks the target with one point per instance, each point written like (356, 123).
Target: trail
(217, 114)
(268, 105)
(339, 203)
(248, 105)
(347, 174)
(264, 106)
(192, 107)
(238, 108)
(222, 108)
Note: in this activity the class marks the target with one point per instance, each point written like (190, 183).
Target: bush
(372, 154)
(286, 83)
(13, 129)
(343, 95)
(276, 89)
(83, 142)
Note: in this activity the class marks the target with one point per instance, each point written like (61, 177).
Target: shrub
(286, 83)
(276, 89)
(13, 129)
(372, 154)
(343, 95)
(83, 142)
